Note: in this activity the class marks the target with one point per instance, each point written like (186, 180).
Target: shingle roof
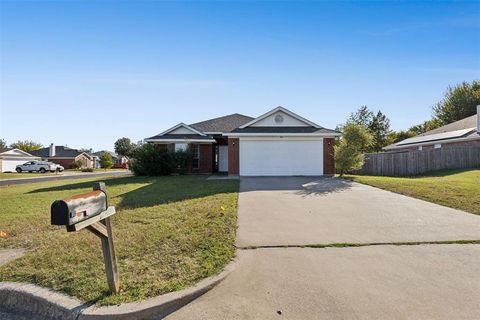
(100, 153)
(222, 124)
(284, 130)
(466, 123)
(454, 130)
(60, 152)
(181, 137)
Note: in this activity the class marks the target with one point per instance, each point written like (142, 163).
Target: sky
(85, 73)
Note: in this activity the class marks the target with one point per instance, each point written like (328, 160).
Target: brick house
(464, 132)
(64, 156)
(277, 143)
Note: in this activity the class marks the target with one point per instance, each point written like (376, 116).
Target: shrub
(106, 160)
(149, 161)
(87, 170)
(78, 164)
(182, 160)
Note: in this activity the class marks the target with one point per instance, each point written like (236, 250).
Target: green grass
(14, 175)
(169, 233)
(459, 189)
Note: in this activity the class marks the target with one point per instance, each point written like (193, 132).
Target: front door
(223, 158)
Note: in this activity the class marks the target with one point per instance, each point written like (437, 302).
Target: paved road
(62, 176)
(435, 281)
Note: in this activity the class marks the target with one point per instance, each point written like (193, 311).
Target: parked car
(39, 166)
(120, 166)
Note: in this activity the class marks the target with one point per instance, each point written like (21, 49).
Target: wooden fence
(418, 162)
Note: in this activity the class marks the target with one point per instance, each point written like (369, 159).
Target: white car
(38, 166)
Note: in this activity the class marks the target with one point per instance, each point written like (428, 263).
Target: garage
(276, 156)
(10, 158)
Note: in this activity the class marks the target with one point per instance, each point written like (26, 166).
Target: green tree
(376, 123)
(460, 101)
(3, 144)
(106, 160)
(124, 147)
(350, 148)
(26, 145)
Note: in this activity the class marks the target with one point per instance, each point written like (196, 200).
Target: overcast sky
(84, 73)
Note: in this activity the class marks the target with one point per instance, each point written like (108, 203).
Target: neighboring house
(465, 132)
(11, 157)
(67, 157)
(277, 143)
(116, 158)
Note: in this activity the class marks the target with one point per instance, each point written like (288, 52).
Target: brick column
(328, 156)
(233, 156)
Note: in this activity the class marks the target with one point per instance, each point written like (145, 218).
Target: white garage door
(281, 157)
(10, 165)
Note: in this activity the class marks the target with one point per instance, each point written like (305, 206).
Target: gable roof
(222, 124)
(462, 129)
(16, 152)
(284, 110)
(100, 153)
(60, 152)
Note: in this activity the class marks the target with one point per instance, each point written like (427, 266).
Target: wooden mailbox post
(91, 211)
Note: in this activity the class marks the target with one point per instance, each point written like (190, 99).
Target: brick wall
(233, 156)
(328, 156)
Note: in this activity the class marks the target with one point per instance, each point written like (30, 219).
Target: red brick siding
(328, 156)
(206, 158)
(233, 156)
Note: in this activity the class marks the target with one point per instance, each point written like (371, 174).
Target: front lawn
(15, 175)
(169, 233)
(459, 189)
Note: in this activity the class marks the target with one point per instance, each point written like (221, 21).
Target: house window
(420, 148)
(437, 145)
(195, 155)
(180, 147)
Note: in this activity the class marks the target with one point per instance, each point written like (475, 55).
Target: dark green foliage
(460, 101)
(148, 160)
(124, 147)
(26, 145)
(182, 161)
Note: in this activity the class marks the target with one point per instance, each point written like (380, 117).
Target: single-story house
(277, 143)
(66, 157)
(116, 158)
(10, 158)
(465, 132)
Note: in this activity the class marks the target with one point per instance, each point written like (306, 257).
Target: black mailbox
(72, 210)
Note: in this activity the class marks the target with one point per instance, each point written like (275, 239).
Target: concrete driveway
(310, 211)
(278, 278)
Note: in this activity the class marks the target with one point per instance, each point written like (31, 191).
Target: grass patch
(459, 189)
(15, 175)
(169, 233)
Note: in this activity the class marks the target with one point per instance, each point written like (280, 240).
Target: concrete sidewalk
(62, 176)
(379, 282)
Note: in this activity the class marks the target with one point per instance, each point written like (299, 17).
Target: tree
(376, 123)
(26, 145)
(124, 147)
(350, 148)
(460, 101)
(106, 160)
(3, 144)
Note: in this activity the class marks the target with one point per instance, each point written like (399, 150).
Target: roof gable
(181, 128)
(14, 152)
(280, 117)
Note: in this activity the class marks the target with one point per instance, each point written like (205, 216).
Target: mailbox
(72, 210)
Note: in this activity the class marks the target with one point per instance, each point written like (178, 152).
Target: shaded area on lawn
(169, 233)
(459, 189)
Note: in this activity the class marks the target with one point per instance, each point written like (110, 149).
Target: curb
(21, 297)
